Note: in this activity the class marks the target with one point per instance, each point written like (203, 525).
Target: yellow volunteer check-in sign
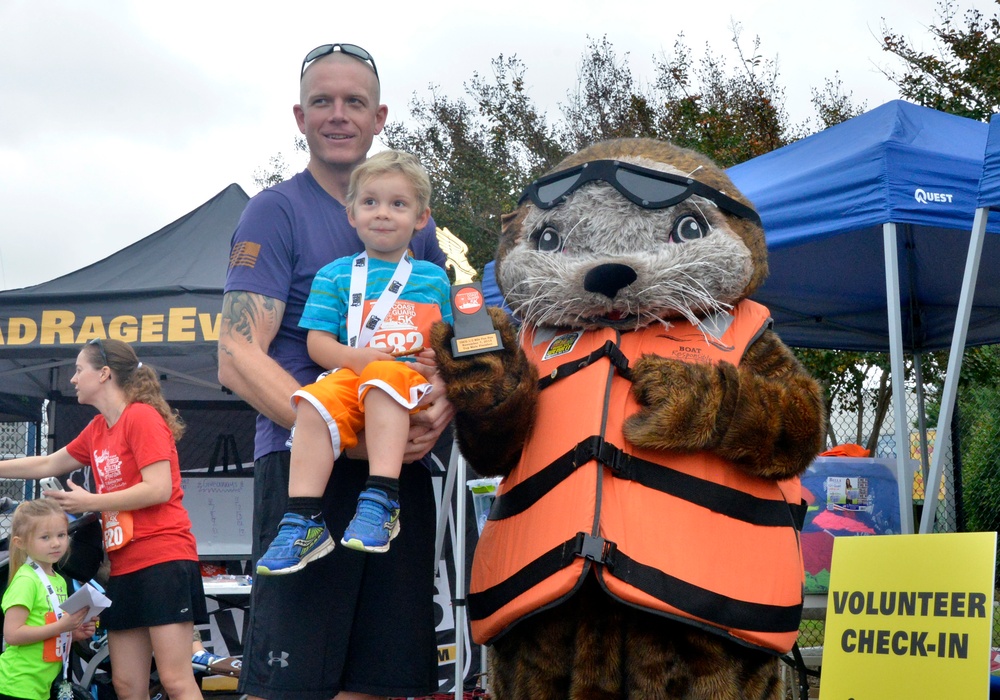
(909, 616)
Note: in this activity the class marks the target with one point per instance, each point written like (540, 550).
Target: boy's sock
(307, 507)
(384, 483)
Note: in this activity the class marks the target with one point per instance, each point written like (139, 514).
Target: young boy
(368, 317)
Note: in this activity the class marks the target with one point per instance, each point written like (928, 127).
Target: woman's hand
(76, 500)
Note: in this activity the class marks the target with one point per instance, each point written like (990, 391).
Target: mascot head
(626, 233)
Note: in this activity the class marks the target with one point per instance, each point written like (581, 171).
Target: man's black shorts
(348, 621)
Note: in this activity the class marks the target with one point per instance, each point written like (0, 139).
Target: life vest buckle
(616, 460)
(596, 549)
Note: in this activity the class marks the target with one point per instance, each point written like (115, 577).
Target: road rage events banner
(142, 321)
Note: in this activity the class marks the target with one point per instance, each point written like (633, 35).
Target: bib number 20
(113, 537)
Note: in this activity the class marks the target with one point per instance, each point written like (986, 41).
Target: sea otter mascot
(650, 428)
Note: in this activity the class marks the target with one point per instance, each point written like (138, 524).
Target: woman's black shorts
(161, 594)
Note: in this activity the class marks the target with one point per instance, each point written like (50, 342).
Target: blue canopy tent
(868, 224)
(989, 198)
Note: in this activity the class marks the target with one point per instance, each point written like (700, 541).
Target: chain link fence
(17, 439)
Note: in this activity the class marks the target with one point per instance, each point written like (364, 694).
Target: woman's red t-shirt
(116, 455)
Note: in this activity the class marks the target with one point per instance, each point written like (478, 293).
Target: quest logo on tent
(924, 197)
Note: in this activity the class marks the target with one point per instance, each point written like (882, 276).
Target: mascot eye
(549, 241)
(688, 228)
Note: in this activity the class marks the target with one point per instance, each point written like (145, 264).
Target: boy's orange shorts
(339, 396)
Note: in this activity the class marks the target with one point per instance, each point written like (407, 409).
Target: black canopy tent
(163, 295)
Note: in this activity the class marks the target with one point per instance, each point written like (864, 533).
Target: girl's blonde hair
(137, 379)
(23, 526)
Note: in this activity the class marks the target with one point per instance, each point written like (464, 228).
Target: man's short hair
(386, 162)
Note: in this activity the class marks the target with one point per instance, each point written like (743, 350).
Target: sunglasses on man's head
(650, 189)
(327, 49)
(100, 346)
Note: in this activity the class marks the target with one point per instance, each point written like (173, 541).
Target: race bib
(117, 526)
(52, 649)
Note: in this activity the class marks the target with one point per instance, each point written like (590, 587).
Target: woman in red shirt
(155, 584)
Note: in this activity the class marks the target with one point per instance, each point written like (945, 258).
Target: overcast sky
(119, 116)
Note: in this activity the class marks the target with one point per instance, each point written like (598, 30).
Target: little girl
(36, 632)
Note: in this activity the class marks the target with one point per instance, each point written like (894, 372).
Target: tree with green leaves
(479, 154)
(482, 148)
(961, 75)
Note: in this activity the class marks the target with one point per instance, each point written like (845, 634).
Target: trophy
(474, 331)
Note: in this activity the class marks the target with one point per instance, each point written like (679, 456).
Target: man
(351, 625)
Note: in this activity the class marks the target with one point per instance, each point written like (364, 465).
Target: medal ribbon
(65, 638)
(358, 337)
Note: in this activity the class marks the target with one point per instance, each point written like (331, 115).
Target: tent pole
(948, 395)
(445, 513)
(50, 433)
(455, 473)
(898, 388)
(460, 609)
(918, 371)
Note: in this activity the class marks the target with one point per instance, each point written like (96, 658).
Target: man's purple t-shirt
(285, 235)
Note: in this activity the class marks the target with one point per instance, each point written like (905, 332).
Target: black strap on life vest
(708, 605)
(487, 602)
(712, 607)
(715, 497)
(608, 350)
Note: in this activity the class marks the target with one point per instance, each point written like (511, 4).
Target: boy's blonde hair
(386, 162)
(23, 526)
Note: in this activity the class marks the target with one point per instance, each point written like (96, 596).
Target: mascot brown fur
(652, 555)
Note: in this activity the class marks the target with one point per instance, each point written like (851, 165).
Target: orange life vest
(688, 536)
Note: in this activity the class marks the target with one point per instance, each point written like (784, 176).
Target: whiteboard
(221, 511)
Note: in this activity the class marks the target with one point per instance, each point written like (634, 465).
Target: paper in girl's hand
(87, 596)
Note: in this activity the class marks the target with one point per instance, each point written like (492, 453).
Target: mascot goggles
(327, 49)
(650, 189)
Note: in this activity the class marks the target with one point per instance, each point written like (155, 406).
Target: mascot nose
(608, 279)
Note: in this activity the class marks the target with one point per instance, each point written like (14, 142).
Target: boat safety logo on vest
(561, 344)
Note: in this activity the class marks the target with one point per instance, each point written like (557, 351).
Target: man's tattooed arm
(249, 323)
(243, 313)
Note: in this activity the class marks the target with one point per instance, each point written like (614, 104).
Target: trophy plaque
(474, 331)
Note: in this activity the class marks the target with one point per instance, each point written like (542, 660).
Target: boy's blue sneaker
(298, 542)
(375, 523)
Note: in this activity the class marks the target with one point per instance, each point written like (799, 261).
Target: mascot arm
(494, 395)
(765, 415)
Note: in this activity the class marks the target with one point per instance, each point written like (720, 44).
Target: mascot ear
(506, 220)
(510, 233)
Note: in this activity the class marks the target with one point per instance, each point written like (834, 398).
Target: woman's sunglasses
(100, 346)
(327, 49)
(650, 189)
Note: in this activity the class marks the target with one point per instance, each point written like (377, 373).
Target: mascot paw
(657, 381)
(478, 383)
(680, 404)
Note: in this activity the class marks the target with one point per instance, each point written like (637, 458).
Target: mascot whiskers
(650, 429)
